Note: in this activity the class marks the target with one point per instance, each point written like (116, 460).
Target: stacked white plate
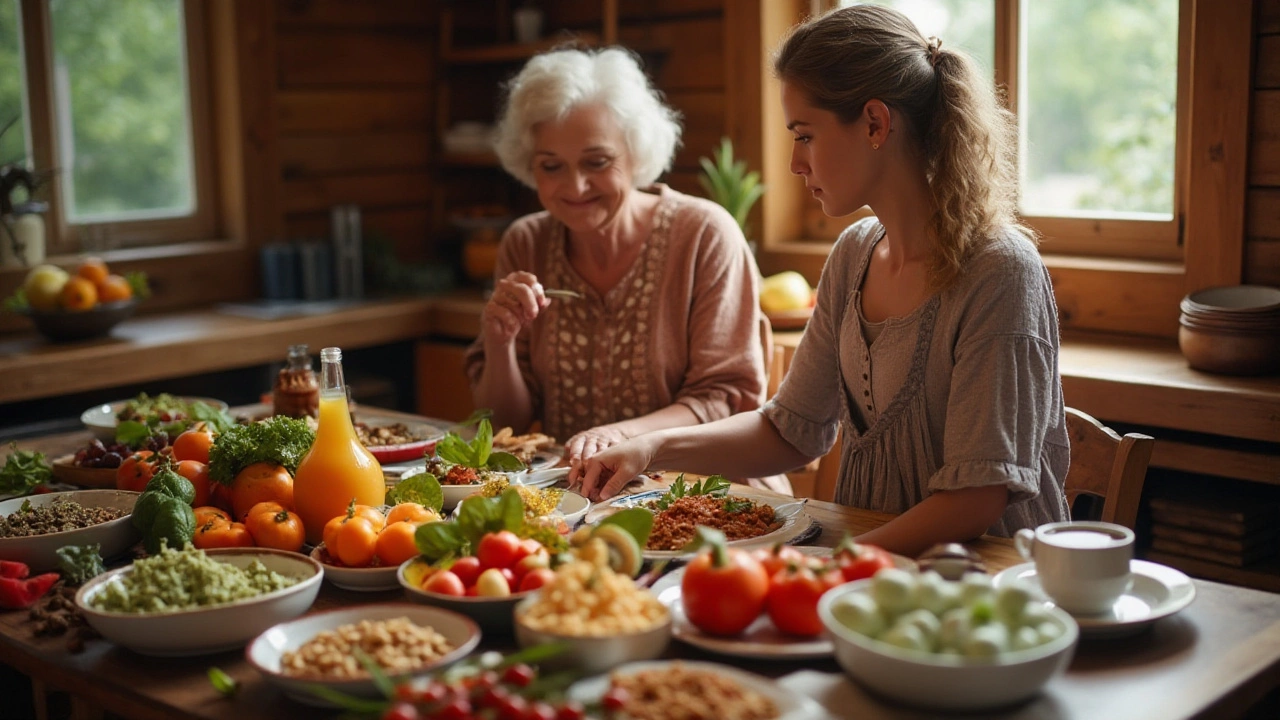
(1233, 330)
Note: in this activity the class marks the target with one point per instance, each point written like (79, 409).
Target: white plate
(543, 460)
(791, 705)
(573, 507)
(359, 579)
(761, 639)
(1158, 591)
(265, 651)
(454, 494)
(795, 522)
(101, 419)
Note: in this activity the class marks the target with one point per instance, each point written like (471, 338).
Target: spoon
(562, 294)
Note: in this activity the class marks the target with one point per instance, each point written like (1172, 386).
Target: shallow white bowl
(101, 419)
(592, 654)
(39, 552)
(494, 614)
(200, 631)
(946, 682)
(365, 579)
(266, 651)
(454, 494)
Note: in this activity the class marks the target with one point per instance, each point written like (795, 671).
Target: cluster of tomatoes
(364, 537)
(724, 590)
(500, 694)
(189, 454)
(503, 564)
(267, 524)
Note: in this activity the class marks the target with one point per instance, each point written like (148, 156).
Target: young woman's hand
(516, 301)
(584, 445)
(605, 473)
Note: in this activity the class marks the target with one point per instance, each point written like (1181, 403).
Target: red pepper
(15, 570)
(16, 594)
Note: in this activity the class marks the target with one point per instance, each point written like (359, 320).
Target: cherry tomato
(723, 590)
(792, 603)
(572, 710)
(539, 710)
(401, 711)
(615, 698)
(444, 582)
(492, 583)
(531, 562)
(519, 675)
(198, 473)
(777, 557)
(274, 527)
(467, 569)
(857, 561)
(535, 579)
(193, 444)
(356, 542)
(498, 550)
(136, 471)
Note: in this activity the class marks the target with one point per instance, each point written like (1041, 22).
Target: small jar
(297, 390)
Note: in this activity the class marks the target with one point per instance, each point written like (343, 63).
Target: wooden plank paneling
(682, 55)
(353, 111)
(362, 59)
(1268, 16)
(408, 227)
(1262, 222)
(389, 189)
(1262, 262)
(704, 124)
(631, 11)
(686, 181)
(348, 14)
(353, 153)
(1102, 296)
(1264, 140)
(1266, 70)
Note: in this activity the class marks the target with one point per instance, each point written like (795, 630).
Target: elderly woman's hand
(584, 445)
(605, 473)
(516, 301)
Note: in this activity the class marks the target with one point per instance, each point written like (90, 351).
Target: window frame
(1095, 292)
(64, 237)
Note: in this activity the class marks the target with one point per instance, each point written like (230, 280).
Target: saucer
(1158, 591)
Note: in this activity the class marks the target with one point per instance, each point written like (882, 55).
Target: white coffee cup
(1082, 566)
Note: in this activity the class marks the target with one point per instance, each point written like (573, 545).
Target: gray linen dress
(963, 392)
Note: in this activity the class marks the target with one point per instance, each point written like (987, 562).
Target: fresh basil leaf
(638, 522)
(454, 449)
(714, 485)
(213, 418)
(80, 563)
(132, 432)
(477, 516)
(510, 510)
(438, 539)
(222, 682)
(737, 506)
(482, 445)
(422, 488)
(505, 462)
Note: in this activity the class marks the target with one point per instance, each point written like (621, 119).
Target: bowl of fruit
(68, 307)
(951, 645)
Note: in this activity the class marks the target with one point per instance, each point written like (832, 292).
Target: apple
(43, 286)
(785, 291)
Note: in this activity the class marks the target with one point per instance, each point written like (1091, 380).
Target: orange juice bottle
(338, 468)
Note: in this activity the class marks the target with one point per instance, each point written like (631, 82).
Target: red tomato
(136, 471)
(531, 562)
(793, 599)
(778, 557)
(444, 582)
(861, 561)
(198, 474)
(536, 578)
(498, 550)
(467, 569)
(723, 592)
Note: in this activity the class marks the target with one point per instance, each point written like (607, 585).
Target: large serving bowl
(947, 682)
(39, 552)
(493, 614)
(73, 325)
(593, 654)
(204, 630)
(267, 650)
(101, 419)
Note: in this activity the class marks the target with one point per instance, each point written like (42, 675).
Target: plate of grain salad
(660, 689)
(33, 528)
(196, 602)
(406, 640)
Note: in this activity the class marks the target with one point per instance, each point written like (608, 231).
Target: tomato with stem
(723, 589)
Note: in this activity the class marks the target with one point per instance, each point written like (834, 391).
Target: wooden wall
(1262, 229)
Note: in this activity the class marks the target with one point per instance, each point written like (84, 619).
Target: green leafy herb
(80, 563)
(477, 516)
(737, 506)
(636, 521)
(222, 682)
(23, 471)
(132, 433)
(215, 419)
(478, 453)
(422, 488)
(280, 439)
(138, 283)
(17, 302)
(714, 486)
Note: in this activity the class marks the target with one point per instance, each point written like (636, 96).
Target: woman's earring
(875, 146)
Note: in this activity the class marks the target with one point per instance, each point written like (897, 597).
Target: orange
(78, 294)
(93, 270)
(395, 543)
(114, 288)
(260, 482)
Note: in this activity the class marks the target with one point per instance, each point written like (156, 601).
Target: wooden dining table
(1215, 659)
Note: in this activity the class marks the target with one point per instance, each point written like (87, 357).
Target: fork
(562, 294)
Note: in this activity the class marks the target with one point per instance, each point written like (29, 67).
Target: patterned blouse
(682, 326)
(962, 392)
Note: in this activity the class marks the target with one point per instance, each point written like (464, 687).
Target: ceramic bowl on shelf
(39, 552)
(1232, 330)
(73, 325)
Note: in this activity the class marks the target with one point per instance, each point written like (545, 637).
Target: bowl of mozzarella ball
(944, 644)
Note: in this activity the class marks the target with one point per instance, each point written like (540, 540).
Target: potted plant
(729, 183)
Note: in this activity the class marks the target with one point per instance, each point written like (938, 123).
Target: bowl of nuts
(405, 640)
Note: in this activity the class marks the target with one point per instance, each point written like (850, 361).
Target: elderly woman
(667, 332)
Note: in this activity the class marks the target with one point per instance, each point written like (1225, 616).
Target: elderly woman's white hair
(553, 84)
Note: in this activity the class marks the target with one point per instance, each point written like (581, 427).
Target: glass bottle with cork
(338, 468)
(297, 390)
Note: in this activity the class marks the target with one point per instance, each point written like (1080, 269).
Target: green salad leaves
(478, 453)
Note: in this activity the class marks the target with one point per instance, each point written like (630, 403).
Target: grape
(110, 460)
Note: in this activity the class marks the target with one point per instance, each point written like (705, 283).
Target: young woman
(934, 342)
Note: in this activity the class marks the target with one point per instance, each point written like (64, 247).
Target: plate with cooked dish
(394, 441)
(688, 688)
(164, 411)
(33, 528)
(747, 520)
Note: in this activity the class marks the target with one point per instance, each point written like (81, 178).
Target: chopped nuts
(397, 646)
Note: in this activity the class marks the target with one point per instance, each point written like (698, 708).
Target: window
(113, 97)
(1095, 85)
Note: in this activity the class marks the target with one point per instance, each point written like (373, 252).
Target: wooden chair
(1102, 463)
(1107, 466)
